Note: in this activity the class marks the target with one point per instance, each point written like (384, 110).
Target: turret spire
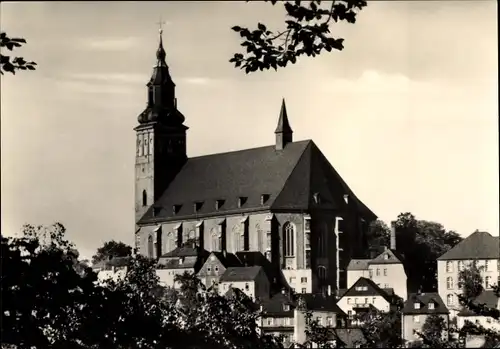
(284, 133)
(160, 53)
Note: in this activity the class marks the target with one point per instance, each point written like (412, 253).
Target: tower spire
(284, 133)
(160, 53)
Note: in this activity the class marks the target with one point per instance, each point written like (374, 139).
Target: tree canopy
(12, 64)
(307, 32)
(111, 249)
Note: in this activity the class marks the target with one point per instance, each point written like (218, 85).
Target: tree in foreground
(307, 32)
(12, 64)
(111, 249)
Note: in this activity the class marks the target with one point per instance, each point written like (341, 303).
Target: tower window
(144, 198)
(288, 239)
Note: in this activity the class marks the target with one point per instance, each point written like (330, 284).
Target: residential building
(323, 308)
(283, 200)
(277, 316)
(215, 265)
(179, 261)
(489, 299)
(364, 295)
(114, 268)
(416, 309)
(479, 247)
(386, 269)
(251, 280)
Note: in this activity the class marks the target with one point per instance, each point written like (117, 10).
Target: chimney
(224, 253)
(329, 290)
(393, 235)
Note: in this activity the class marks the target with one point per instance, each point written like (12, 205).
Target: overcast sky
(407, 113)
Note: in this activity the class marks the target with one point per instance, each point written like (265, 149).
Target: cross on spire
(160, 23)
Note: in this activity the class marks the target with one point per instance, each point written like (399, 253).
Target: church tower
(160, 137)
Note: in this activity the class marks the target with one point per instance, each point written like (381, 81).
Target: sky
(407, 113)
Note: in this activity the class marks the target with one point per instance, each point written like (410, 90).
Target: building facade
(284, 200)
(480, 248)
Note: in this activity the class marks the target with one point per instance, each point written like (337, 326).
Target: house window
(416, 318)
(461, 265)
(374, 299)
(303, 280)
(449, 299)
(269, 321)
(348, 300)
(304, 290)
(378, 272)
(386, 256)
(385, 271)
(292, 279)
(430, 306)
(329, 321)
(349, 313)
(150, 247)
(144, 198)
(216, 268)
(319, 319)
(288, 239)
(209, 269)
(366, 300)
(247, 287)
(449, 283)
(449, 267)
(487, 281)
(370, 273)
(486, 265)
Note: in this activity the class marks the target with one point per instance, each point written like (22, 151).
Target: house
(251, 280)
(490, 300)
(179, 261)
(364, 295)
(386, 269)
(278, 316)
(284, 200)
(324, 310)
(215, 265)
(416, 309)
(114, 268)
(479, 247)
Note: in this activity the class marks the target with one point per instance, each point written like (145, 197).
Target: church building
(284, 200)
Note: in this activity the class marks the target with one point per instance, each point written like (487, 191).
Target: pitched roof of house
(387, 257)
(372, 289)
(235, 274)
(116, 262)
(478, 245)
(290, 177)
(424, 299)
(487, 297)
(358, 264)
(351, 337)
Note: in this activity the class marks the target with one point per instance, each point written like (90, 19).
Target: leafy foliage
(379, 328)
(422, 242)
(307, 33)
(111, 249)
(17, 63)
(378, 234)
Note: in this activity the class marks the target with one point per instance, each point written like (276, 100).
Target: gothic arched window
(139, 145)
(215, 240)
(146, 145)
(289, 239)
(323, 241)
(236, 238)
(150, 247)
(144, 198)
(151, 143)
(170, 242)
(322, 273)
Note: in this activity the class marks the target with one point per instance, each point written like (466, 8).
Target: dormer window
(346, 198)
(430, 306)
(316, 198)
(286, 307)
(241, 201)
(386, 256)
(176, 208)
(156, 211)
(197, 206)
(417, 305)
(264, 198)
(218, 204)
